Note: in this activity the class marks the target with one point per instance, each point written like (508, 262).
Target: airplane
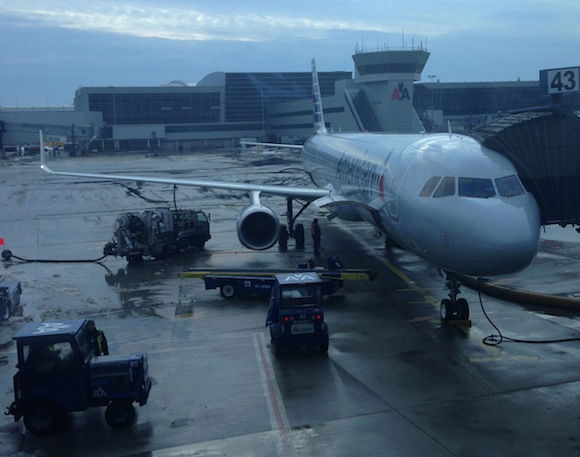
(443, 196)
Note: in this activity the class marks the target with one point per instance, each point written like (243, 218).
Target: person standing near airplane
(316, 235)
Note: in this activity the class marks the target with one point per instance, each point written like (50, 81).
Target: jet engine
(258, 227)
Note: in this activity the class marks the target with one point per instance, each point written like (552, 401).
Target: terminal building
(382, 95)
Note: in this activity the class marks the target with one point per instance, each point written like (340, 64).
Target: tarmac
(396, 380)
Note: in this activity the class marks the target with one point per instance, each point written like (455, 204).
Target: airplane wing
(307, 193)
(272, 145)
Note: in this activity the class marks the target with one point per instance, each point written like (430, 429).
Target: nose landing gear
(453, 309)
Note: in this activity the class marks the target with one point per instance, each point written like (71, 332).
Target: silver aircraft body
(444, 197)
(474, 217)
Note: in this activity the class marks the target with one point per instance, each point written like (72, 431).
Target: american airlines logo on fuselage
(362, 174)
(400, 93)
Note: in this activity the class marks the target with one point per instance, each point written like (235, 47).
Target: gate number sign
(561, 80)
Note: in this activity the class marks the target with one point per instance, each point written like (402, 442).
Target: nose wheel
(454, 309)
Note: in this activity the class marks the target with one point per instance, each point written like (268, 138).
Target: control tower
(382, 95)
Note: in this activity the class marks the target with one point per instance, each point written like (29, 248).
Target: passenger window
(509, 186)
(476, 188)
(430, 186)
(446, 188)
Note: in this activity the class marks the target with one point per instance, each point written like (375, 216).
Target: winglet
(43, 164)
(319, 125)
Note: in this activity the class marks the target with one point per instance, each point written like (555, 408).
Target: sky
(52, 47)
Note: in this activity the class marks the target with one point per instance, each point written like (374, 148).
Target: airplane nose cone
(504, 240)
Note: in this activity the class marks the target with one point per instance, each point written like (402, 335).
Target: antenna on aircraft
(449, 128)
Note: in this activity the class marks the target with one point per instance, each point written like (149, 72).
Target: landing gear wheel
(228, 291)
(120, 414)
(389, 244)
(283, 238)
(40, 418)
(299, 236)
(463, 309)
(448, 310)
(6, 254)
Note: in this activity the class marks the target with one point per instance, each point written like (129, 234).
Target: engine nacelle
(258, 227)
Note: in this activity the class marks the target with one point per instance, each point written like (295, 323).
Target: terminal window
(157, 108)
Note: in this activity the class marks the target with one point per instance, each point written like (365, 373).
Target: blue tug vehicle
(64, 366)
(296, 314)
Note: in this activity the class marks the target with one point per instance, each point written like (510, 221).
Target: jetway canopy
(545, 148)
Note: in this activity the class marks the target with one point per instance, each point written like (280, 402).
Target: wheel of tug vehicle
(134, 259)
(199, 244)
(109, 248)
(120, 414)
(165, 253)
(463, 308)
(299, 236)
(228, 291)
(40, 418)
(278, 352)
(6, 254)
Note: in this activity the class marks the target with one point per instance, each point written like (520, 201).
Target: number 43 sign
(561, 80)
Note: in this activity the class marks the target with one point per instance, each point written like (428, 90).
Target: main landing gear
(292, 230)
(453, 308)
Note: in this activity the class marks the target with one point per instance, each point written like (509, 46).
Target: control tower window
(446, 188)
(509, 186)
(430, 186)
(476, 188)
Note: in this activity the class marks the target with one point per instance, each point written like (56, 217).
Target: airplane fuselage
(474, 217)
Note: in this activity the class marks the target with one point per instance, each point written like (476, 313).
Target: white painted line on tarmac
(277, 411)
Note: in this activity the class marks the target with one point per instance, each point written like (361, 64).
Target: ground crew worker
(316, 235)
(101, 348)
(98, 339)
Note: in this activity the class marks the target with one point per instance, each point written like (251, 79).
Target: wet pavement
(396, 381)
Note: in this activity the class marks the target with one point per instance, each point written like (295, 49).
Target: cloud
(181, 23)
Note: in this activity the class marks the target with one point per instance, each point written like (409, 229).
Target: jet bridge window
(509, 186)
(476, 188)
(446, 188)
(430, 186)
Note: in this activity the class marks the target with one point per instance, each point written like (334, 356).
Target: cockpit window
(446, 188)
(430, 186)
(476, 188)
(509, 186)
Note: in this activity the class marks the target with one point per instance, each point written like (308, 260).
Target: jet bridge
(545, 148)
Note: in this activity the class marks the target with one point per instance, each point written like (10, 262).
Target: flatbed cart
(231, 286)
(232, 282)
